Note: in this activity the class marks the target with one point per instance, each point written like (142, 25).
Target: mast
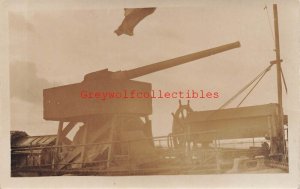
(279, 71)
(278, 60)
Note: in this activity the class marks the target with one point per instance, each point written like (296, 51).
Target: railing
(188, 158)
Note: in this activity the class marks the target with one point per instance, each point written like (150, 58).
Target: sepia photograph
(188, 89)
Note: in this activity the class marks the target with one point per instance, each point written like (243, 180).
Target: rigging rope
(268, 16)
(285, 86)
(246, 87)
(266, 70)
(272, 33)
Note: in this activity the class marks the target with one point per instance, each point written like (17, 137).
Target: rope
(269, 20)
(285, 86)
(253, 87)
(244, 88)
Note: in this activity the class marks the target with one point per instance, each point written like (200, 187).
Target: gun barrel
(144, 70)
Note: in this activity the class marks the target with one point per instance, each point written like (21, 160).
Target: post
(84, 142)
(57, 149)
(59, 133)
(114, 122)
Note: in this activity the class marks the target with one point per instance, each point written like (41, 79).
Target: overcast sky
(53, 47)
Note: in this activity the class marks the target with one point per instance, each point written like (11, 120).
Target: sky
(57, 46)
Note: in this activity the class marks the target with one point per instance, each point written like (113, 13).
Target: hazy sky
(53, 47)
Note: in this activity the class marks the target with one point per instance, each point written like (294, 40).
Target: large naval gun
(64, 103)
(110, 130)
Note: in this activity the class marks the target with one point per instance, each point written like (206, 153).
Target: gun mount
(106, 121)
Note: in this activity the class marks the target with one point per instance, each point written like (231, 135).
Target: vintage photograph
(174, 90)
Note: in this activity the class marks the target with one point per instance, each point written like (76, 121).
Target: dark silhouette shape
(132, 17)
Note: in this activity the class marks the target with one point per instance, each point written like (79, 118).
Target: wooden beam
(59, 133)
(84, 141)
(68, 128)
(111, 139)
